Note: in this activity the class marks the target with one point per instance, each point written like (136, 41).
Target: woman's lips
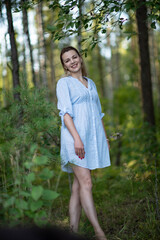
(74, 66)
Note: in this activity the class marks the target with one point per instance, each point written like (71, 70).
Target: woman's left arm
(105, 134)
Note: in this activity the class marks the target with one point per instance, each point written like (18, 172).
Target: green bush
(29, 149)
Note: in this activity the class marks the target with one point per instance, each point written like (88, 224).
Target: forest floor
(125, 205)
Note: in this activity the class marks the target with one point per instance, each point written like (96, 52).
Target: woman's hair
(67, 49)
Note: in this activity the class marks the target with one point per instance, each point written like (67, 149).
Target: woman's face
(72, 61)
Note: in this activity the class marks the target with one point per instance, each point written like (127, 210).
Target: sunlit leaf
(36, 192)
(49, 194)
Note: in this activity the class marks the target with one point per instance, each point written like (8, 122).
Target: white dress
(83, 105)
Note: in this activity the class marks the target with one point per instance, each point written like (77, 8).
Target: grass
(125, 205)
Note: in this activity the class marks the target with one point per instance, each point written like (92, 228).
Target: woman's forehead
(69, 54)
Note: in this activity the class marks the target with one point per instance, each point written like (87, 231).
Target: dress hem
(65, 166)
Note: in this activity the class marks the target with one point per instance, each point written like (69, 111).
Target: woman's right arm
(78, 144)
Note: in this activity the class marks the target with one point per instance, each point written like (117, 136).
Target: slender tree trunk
(101, 72)
(14, 54)
(53, 78)
(42, 45)
(152, 59)
(26, 31)
(146, 84)
(158, 70)
(110, 77)
(80, 2)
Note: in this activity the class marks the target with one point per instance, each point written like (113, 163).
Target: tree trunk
(42, 45)
(146, 84)
(146, 88)
(80, 25)
(26, 31)
(53, 78)
(24, 61)
(14, 54)
(101, 72)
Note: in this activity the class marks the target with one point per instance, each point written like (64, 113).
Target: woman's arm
(105, 134)
(78, 144)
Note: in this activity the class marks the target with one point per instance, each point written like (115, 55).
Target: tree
(146, 83)
(14, 54)
(42, 45)
(26, 31)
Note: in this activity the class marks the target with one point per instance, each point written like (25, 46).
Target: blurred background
(119, 42)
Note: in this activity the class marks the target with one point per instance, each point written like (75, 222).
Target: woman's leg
(75, 206)
(83, 176)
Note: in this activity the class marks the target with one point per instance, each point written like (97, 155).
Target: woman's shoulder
(63, 80)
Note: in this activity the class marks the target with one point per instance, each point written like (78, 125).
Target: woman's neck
(77, 75)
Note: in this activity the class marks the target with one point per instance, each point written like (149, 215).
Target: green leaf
(21, 204)
(15, 213)
(46, 174)
(33, 148)
(40, 218)
(24, 194)
(9, 202)
(36, 192)
(36, 205)
(17, 182)
(153, 25)
(30, 214)
(30, 177)
(28, 165)
(52, 28)
(40, 160)
(49, 194)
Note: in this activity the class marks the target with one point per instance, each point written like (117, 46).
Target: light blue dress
(83, 105)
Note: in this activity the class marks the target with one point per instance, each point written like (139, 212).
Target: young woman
(84, 143)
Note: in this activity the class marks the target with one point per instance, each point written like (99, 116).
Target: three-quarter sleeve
(64, 103)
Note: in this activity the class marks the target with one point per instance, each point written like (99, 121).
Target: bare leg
(84, 178)
(75, 206)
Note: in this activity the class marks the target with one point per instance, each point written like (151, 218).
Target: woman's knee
(83, 176)
(75, 187)
(86, 183)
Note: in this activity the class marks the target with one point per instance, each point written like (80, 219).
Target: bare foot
(100, 236)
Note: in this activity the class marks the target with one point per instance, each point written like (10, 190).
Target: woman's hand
(78, 144)
(79, 148)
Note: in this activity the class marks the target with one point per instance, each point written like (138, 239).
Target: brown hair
(66, 49)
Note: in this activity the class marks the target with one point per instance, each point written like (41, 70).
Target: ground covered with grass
(125, 205)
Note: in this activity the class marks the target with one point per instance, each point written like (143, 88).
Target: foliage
(96, 17)
(29, 149)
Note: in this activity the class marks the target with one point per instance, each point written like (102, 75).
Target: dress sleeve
(64, 103)
(100, 108)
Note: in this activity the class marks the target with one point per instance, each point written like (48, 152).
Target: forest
(120, 44)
